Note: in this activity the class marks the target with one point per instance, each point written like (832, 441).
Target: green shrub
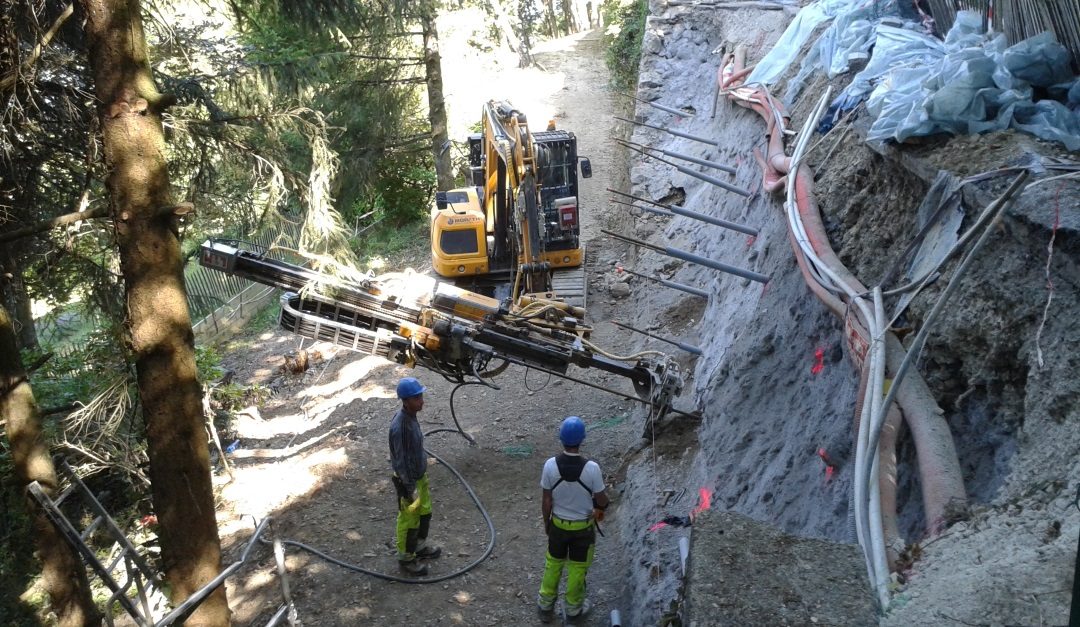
(623, 36)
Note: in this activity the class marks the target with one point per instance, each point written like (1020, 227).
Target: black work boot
(429, 552)
(413, 568)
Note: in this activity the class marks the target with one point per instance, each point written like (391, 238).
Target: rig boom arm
(415, 320)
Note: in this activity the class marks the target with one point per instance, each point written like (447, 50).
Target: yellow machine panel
(459, 235)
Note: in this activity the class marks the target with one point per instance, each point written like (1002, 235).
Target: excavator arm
(415, 320)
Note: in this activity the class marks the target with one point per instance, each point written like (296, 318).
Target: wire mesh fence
(219, 301)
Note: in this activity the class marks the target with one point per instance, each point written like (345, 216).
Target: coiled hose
(468, 489)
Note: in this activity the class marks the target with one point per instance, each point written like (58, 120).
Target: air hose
(468, 489)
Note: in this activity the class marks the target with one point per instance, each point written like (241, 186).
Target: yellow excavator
(516, 230)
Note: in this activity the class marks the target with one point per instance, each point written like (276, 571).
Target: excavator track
(571, 284)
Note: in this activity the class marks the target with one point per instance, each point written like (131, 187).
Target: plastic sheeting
(971, 84)
(798, 33)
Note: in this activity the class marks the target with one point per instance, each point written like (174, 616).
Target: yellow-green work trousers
(571, 544)
(413, 521)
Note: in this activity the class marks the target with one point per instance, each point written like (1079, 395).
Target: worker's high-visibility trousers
(571, 544)
(413, 521)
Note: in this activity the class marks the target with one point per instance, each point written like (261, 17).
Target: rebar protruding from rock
(694, 350)
(692, 258)
(678, 155)
(657, 105)
(672, 284)
(682, 211)
(697, 138)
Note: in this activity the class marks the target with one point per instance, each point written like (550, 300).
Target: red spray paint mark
(764, 288)
(149, 519)
(830, 465)
(750, 240)
(704, 502)
(658, 526)
(819, 361)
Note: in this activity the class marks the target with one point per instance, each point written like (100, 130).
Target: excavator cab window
(586, 167)
(459, 242)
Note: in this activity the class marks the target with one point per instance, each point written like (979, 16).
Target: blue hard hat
(572, 431)
(409, 387)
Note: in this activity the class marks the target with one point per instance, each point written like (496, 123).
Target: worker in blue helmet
(409, 459)
(573, 502)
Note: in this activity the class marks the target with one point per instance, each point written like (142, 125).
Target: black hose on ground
(468, 489)
(386, 577)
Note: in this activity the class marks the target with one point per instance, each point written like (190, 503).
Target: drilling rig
(416, 320)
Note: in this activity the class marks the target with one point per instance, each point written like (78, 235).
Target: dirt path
(324, 478)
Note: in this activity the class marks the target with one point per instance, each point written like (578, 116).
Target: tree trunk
(550, 19)
(158, 318)
(506, 29)
(440, 140)
(61, 570)
(13, 295)
(568, 15)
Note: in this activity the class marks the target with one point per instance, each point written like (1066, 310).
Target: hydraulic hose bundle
(876, 352)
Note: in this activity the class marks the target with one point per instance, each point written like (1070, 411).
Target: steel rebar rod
(654, 210)
(690, 348)
(657, 105)
(734, 226)
(692, 258)
(697, 138)
(671, 153)
(672, 284)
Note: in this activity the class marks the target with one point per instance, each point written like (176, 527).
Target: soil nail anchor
(692, 258)
(682, 211)
(666, 283)
(686, 347)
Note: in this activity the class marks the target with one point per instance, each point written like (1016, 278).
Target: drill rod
(672, 284)
(692, 258)
(593, 385)
(686, 347)
(734, 226)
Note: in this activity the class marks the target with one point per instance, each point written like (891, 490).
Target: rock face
(774, 386)
(743, 572)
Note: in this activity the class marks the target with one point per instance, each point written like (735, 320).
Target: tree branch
(7, 82)
(69, 218)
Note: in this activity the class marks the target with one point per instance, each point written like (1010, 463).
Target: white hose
(867, 493)
(876, 387)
